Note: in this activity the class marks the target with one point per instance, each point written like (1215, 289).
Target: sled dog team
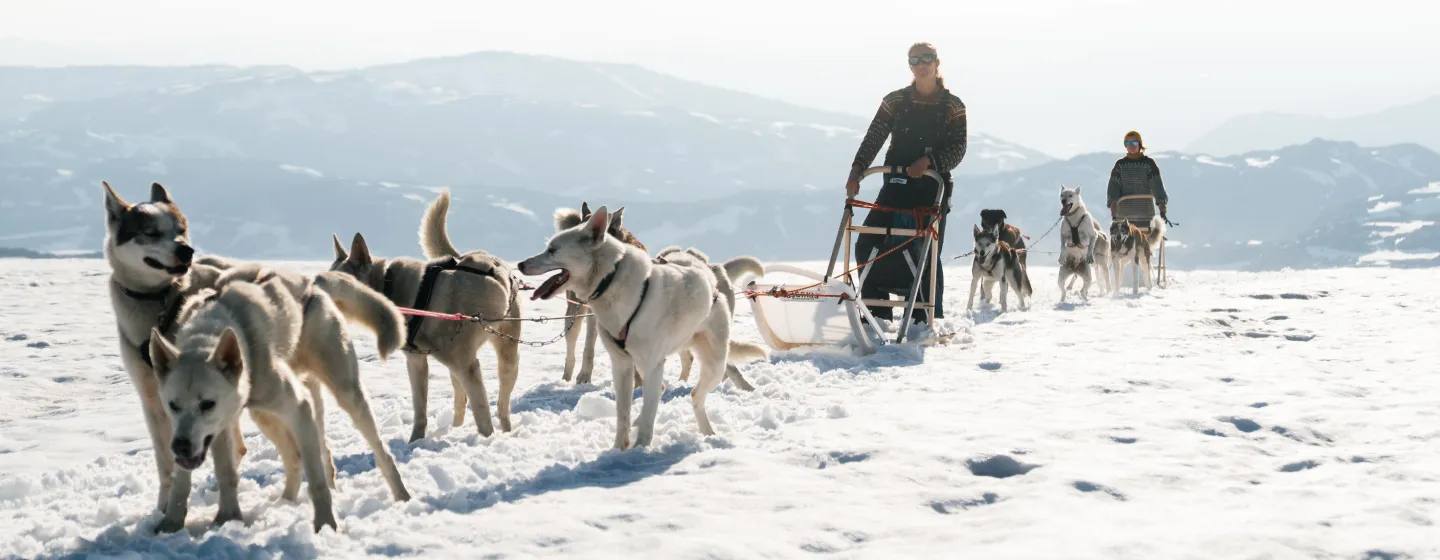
(1085, 250)
(206, 339)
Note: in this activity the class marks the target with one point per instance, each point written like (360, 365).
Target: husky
(1083, 246)
(726, 277)
(995, 261)
(1129, 245)
(566, 218)
(285, 331)
(991, 219)
(153, 270)
(645, 310)
(474, 283)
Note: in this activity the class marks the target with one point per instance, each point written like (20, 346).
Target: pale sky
(1062, 77)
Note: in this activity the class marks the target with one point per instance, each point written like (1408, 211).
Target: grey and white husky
(474, 283)
(996, 261)
(267, 339)
(1084, 246)
(646, 311)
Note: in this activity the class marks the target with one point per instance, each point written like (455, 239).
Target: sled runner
(828, 311)
(1140, 209)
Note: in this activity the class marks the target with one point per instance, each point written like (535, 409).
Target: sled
(828, 310)
(1140, 209)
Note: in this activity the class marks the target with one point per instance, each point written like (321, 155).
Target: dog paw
(327, 519)
(169, 525)
(223, 517)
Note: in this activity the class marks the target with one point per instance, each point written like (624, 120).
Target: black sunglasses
(927, 57)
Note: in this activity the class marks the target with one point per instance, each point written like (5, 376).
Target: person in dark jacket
(926, 126)
(1134, 174)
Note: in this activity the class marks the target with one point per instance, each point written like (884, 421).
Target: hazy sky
(1059, 76)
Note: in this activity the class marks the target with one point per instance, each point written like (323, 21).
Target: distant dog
(646, 311)
(992, 219)
(152, 270)
(1129, 245)
(995, 261)
(1083, 246)
(566, 218)
(726, 277)
(475, 283)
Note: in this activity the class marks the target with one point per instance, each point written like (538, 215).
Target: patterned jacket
(1137, 175)
(945, 158)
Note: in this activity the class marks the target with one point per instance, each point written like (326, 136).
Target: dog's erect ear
(616, 219)
(115, 207)
(226, 357)
(340, 254)
(359, 251)
(162, 354)
(597, 224)
(159, 194)
(977, 231)
(584, 210)
(1077, 191)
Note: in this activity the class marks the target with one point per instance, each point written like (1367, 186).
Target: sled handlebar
(900, 170)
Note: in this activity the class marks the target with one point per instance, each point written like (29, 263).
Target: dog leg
(177, 502)
(507, 354)
(623, 369)
(1085, 288)
(479, 400)
(687, 360)
(654, 375)
(238, 437)
(713, 351)
(419, 367)
(1061, 278)
(301, 419)
(461, 401)
(974, 282)
(278, 432)
(227, 477)
(317, 404)
(1004, 290)
(157, 422)
(572, 334)
(587, 362)
(351, 397)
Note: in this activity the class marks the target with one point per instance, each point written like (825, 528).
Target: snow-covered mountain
(1413, 122)
(493, 119)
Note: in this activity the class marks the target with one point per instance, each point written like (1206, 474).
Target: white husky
(646, 311)
(1084, 247)
(267, 339)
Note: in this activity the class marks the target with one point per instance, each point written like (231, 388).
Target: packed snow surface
(1231, 415)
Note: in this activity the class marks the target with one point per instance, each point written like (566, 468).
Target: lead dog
(646, 311)
(1129, 245)
(995, 261)
(291, 333)
(152, 270)
(474, 283)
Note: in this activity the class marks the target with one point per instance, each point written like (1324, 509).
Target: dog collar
(158, 295)
(605, 283)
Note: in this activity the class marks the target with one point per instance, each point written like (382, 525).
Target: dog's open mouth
(551, 285)
(176, 270)
(1065, 209)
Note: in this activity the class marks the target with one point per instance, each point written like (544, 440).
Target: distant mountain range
(1417, 123)
(269, 162)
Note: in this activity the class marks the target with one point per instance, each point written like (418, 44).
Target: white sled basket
(828, 310)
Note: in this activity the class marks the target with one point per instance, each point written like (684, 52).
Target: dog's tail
(566, 218)
(360, 303)
(1157, 225)
(434, 240)
(742, 352)
(737, 267)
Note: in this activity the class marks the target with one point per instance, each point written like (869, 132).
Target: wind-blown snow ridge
(1250, 418)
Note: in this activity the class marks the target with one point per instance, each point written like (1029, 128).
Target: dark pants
(891, 274)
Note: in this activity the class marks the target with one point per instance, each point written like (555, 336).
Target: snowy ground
(1234, 415)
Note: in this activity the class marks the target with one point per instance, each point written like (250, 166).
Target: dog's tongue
(1065, 210)
(551, 285)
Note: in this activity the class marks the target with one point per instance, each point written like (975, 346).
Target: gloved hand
(1162, 212)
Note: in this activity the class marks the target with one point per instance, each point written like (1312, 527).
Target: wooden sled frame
(1161, 277)
(864, 329)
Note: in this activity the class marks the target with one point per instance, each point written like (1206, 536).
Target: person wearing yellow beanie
(1136, 173)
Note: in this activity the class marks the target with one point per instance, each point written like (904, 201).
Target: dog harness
(427, 288)
(168, 314)
(604, 285)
